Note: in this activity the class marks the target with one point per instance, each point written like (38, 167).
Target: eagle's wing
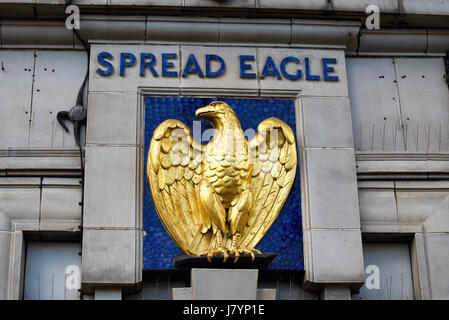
(273, 153)
(174, 171)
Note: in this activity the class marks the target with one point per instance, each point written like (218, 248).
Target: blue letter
(148, 64)
(192, 66)
(244, 66)
(270, 69)
(166, 64)
(101, 58)
(285, 73)
(124, 63)
(214, 73)
(327, 69)
(308, 75)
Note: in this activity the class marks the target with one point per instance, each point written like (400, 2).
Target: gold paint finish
(223, 197)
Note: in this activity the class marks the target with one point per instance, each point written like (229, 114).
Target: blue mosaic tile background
(284, 237)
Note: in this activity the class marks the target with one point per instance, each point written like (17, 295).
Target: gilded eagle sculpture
(220, 198)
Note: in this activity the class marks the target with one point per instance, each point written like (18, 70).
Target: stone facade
(373, 147)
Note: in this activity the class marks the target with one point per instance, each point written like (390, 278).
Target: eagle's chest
(226, 169)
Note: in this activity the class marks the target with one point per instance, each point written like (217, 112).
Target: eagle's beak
(203, 112)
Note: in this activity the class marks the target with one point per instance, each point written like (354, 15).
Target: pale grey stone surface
(337, 256)
(43, 34)
(419, 268)
(436, 7)
(183, 29)
(327, 122)
(109, 257)
(255, 30)
(266, 294)
(20, 203)
(224, 284)
(57, 79)
(332, 189)
(5, 222)
(111, 27)
(437, 40)
(360, 5)
(5, 243)
(436, 245)
(424, 103)
(108, 294)
(294, 4)
(217, 3)
(16, 85)
(378, 207)
(61, 202)
(333, 34)
(112, 118)
(168, 3)
(111, 187)
(375, 105)
(336, 293)
(182, 293)
(415, 206)
(393, 41)
(438, 220)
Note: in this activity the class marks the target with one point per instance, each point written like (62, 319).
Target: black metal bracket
(446, 65)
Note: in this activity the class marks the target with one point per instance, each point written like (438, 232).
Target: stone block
(108, 294)
(57, 77)
(255, 30)
(183, 29)
(336, 293)
(377, 204)
(61, 199)
(325, 34)
(182, 293)
(360, 5)
(266, 294)
(332, 200)
(20, 202)
(109, 257)
(438, 41)
(336, 257)
(393, 41)
(217, 3)
(18, 250)
(428, 7)
(5, 244)
(111, 187)
(112, 118)
(224, 284)
(376, 116)
(414, 207)
(109, 27)
(17, 81)
(327, 122)
(165, 3)
(29, 34)
(437, 263)
(294, 4)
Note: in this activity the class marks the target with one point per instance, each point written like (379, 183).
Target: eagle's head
(218, 112)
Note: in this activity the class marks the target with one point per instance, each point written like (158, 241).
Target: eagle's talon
(249, 251)
(214, 252)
